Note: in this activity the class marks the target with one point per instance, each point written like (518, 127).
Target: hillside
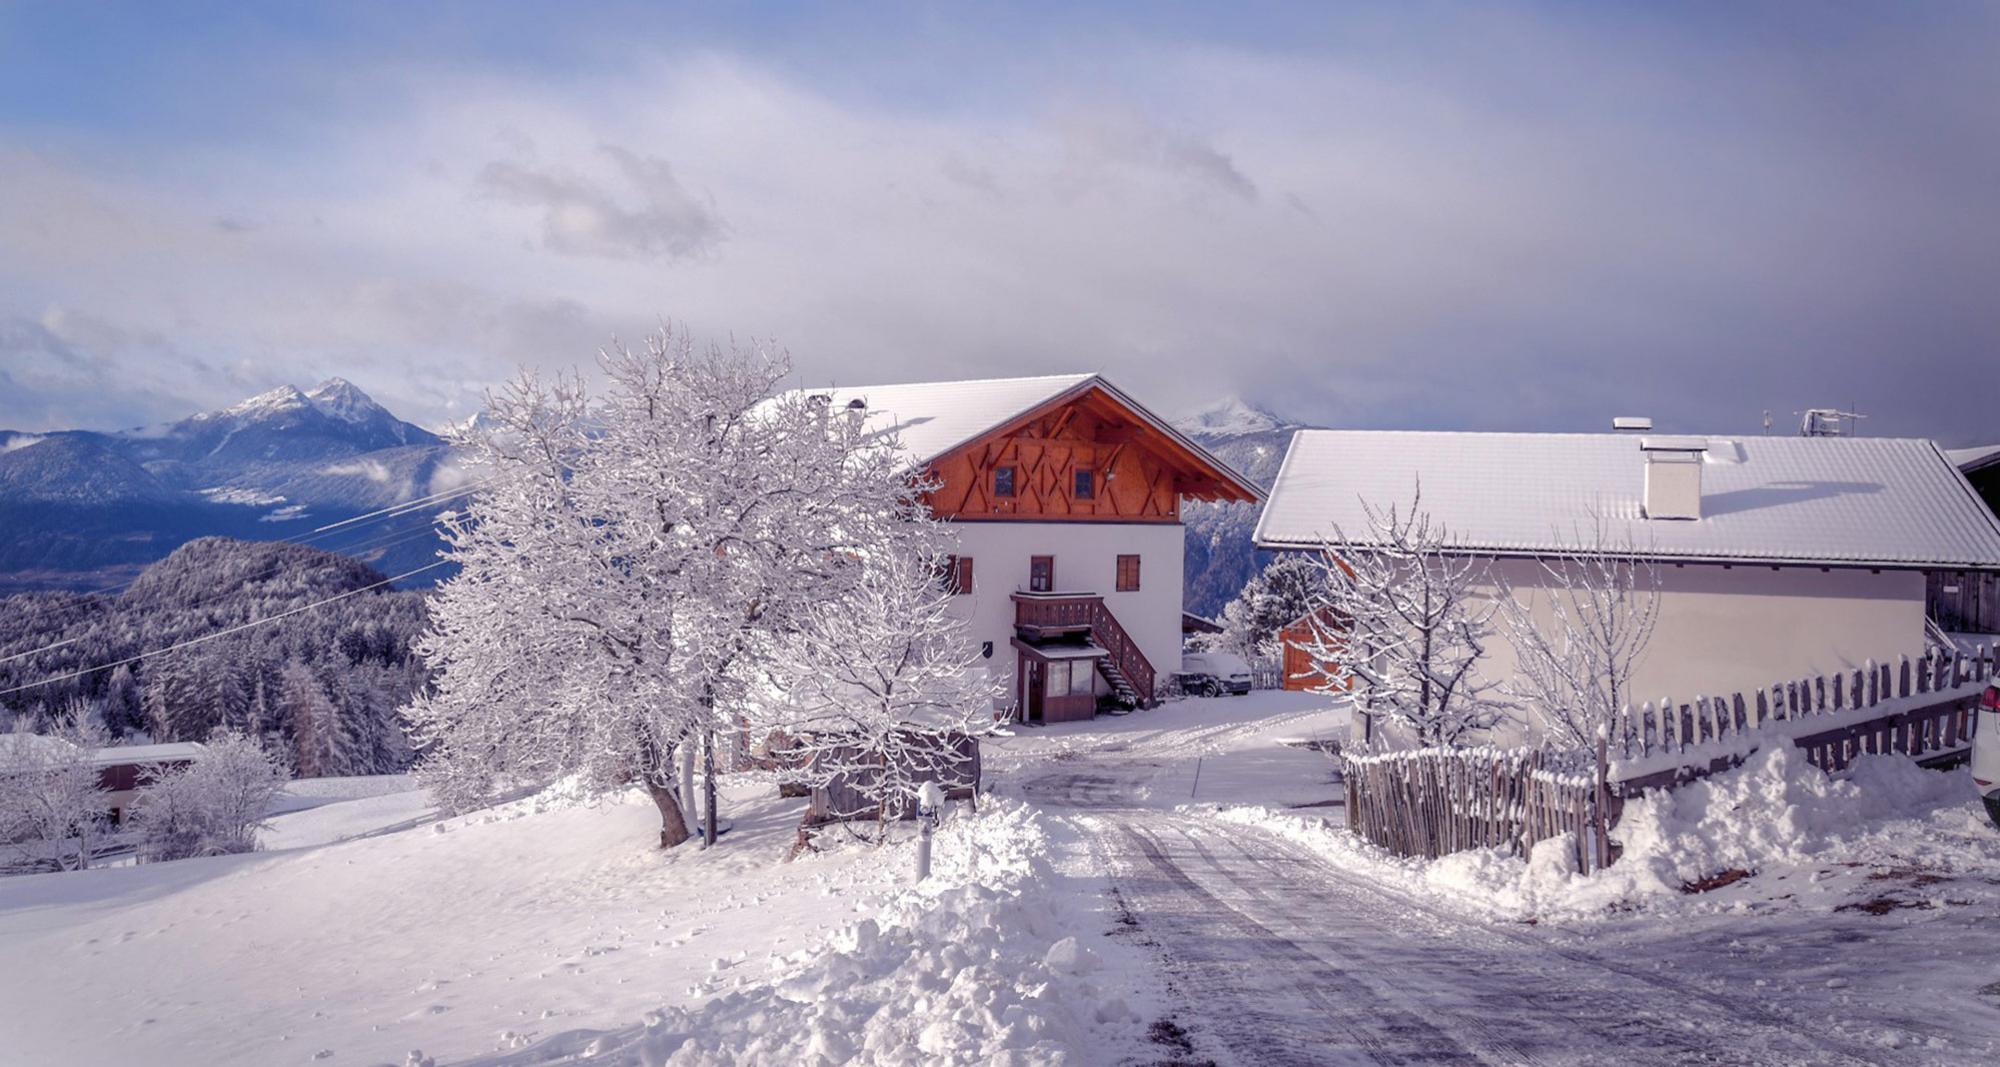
(348, 662)
(1220, 558)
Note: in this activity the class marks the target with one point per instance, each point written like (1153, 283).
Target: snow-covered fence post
(930, 800)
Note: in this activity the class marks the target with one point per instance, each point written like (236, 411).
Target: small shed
(947, 757)
(1302, 674)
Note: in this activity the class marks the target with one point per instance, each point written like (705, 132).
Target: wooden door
(1036, 675)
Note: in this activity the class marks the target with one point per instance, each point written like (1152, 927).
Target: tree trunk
(673, 824)
(685, 764)
(708, 787)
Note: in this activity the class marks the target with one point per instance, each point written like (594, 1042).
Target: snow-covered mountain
(285, 425)
(1219, 556)
(80, 508)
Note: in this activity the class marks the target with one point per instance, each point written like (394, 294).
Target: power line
(239, 628)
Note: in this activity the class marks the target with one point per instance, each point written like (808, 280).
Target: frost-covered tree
(1578, 631)
(1411, 627)
(627, 575)
(1276, 597)
(212, 806)
(322, 738)
(52, 808)
(875, 680)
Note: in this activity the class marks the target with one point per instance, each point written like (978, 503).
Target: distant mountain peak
(1230, 417)
(343, 400)
(282, 398)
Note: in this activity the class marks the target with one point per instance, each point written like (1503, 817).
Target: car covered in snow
(1212, 674)
(1986, 751)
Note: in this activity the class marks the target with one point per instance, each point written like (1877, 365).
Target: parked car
(1986, 751)
(1212, 674)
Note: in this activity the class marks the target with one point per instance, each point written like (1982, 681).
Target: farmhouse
(1777, 557)
(1065, 495)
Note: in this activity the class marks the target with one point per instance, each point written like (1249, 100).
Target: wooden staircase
(1038, 616)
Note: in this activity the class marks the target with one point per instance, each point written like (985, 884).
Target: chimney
(1673, 476)
(857, 413)
(1632, 423)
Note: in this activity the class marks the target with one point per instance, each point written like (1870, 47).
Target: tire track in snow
(1245, 960)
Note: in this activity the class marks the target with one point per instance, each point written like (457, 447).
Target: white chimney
(1673, 476)
(1625, 423)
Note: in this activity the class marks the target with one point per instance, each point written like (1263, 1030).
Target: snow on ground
(459, 937)
(992, 961)
(1796, 837)
(1257, 748)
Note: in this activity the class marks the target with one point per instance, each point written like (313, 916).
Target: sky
(1417, 215)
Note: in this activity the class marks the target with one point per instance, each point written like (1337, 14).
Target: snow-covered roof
(1848, 500)
(173, 752)
(1972, 459)
(933, 418)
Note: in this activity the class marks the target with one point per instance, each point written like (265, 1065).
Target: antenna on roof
(1767, 420)
(1827, 422)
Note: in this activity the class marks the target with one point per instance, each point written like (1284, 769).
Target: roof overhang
(1228, 485)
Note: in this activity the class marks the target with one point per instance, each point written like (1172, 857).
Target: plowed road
(1277, 957)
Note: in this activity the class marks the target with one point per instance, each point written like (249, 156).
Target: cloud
(580, 216)
(1484, 219)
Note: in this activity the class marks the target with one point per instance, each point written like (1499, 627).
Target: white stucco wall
(1730, 630)
(1086, 561)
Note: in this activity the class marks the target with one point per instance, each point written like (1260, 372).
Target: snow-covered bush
(879, 682)
(211, 806)
(1276, 597)
(52, 809)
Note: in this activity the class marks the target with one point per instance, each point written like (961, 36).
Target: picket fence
(1434, 801)
(1430, 802)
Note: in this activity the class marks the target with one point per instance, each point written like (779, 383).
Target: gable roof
(933, 419)
(1857, 501)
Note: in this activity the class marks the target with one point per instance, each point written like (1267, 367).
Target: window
(1086, 484)
(1041, 574)
(1003, 481)
(958, 575)
(1058, 683)
(1128, 574)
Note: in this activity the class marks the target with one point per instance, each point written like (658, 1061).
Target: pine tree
(321, 743)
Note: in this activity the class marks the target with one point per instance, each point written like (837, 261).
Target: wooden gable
(1137, 472)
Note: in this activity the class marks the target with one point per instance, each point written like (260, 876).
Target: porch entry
(1059, 684)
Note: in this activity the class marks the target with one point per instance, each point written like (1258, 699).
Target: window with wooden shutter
(960, 582)
(1128, 574)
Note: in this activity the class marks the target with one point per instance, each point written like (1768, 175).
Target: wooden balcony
(1038, 616)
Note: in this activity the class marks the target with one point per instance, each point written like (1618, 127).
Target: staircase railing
(1077, 610)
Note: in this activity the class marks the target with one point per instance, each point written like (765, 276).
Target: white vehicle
(1212, 674)
(1986, 751)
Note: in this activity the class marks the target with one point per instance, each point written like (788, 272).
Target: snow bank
(988, 962)
(1775, 813)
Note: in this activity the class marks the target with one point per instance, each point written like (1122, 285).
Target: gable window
(958, 575)
(1086, 484)
(1041, 574)
(1003, 481)
(1128, 574)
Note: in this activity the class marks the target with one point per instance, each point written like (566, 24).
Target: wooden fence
(1434, 801)
(1919, 708)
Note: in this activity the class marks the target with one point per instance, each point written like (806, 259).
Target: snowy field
(515, 928)
(1175, 864)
